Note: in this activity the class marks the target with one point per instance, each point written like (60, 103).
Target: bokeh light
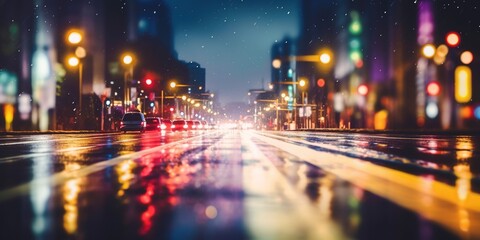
(466, 112)
(302, 83)
(428, 50)
(276, 63)
(453, 39)
(325, 58)
(463, 84)
(432, 110)
(363, 89)
(433, 88)
(74, 37)
(321, 82)
(466, 57)
(127, 59)
(73, 61)
(80, 52)
(477, 112)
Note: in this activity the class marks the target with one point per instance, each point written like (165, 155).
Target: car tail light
(185, 126)
(163, 126)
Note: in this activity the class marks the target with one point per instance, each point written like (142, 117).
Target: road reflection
(233, 185)
(40, 194)
(71, 190)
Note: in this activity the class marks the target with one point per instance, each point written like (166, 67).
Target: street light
(74, 37)
(174, 85)
(325, 58)
(128, 60)
(302, 83)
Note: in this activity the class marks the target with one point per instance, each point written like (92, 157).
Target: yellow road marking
(433, 200)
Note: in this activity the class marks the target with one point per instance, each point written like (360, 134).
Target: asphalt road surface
(239, 184)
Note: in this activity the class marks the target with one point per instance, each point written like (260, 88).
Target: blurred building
(282, 66)
(17, 41)
(378, 77)
(196, 78)
(39, 90)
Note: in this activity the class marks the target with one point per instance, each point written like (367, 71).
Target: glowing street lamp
(128, 60)
(276, 63)
(74, 37)
(325, 58)
(73, 61)
(302, 83)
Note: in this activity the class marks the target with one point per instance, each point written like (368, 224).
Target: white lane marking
(62, 177)
(296, 219)
(44, 138)
(433, 200)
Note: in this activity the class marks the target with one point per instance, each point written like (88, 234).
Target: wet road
(239, 185)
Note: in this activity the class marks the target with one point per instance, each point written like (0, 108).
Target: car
(133, 121)
(165, 125)
(179, 125)
(153, 123)
(198, 125)
(191, 125)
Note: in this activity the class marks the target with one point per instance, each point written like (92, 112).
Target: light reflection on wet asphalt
(440, 157)
(221, 185)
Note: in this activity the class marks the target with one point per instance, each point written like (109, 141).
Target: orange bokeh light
(466, 57)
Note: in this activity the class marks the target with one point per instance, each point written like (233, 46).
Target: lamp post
(74, 62)
(74, 37)
(127, 60)
(324, 57)
(174, 85)
(302, 83)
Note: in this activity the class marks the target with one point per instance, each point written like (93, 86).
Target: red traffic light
(433, 89)
(321, 82)
(148, 81)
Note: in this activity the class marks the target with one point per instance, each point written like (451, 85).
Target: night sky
(232, 40)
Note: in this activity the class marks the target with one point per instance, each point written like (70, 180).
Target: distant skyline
(232, 40)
